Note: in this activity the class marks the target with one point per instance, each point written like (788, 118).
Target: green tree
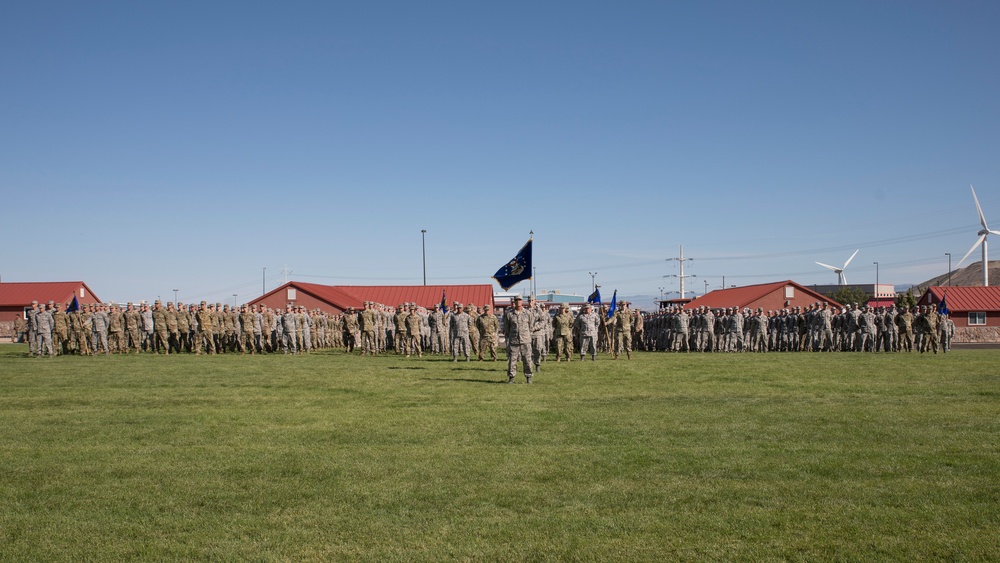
(847, 294)
(907, 300)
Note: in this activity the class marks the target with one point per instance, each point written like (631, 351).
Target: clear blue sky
(148, 146)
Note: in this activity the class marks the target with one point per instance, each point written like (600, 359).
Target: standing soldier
(412, 331)
(639, 330)
(162, 334)
(206, 329)
(904, 321)
(99, 320)
(517, 323)
(459, 329)
(947, 329)
(173, 328)
(587, 324)
(183, 328)
(60, 330)
(489, 327)
(349, 326)
(247, 339)
(147, 328)
(32, 316)
(399, 324)
(562, 329)
(473, 313)
(116, 330)
(539, 331)
(367, 324)
(43, 331)
(288, 330)
(623, 330)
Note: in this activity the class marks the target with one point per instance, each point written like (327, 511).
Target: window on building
(82, 293)
(789, 292)
(291, 294)
(977, 318)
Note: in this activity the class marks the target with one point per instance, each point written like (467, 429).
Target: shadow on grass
(464, 380)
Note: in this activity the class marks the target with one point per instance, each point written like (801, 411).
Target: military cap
(34, 302)
(516, 298)
(564, 306)
(51, 302)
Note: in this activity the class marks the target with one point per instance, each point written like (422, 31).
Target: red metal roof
(422, 295)
(20, 294)
(766, 295)
(963, 298)
(343, 296)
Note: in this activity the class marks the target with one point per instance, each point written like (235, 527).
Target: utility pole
(423, 245)
(680, 260)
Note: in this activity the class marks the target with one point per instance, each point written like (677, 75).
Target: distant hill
(971, 275)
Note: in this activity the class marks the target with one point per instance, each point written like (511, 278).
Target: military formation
(815, 328)
(462, 332)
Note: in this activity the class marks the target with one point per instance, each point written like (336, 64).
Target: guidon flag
(517, 270)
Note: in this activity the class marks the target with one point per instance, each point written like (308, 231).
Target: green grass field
(670, 456)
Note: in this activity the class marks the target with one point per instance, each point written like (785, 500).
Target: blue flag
(444, 303)
(517, 270)
(595, 297)
(74, 306)
(614, 304)
(943, 305)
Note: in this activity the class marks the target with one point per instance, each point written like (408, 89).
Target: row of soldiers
(461, 331)
(817, 327)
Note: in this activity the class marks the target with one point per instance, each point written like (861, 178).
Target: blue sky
(152, 146)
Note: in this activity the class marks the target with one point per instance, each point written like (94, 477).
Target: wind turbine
(841, 279)
(981, 242)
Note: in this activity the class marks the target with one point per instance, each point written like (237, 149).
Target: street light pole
(263, 281)
(593, 283)
(234, 299)
(948, 254)
(175, 298)
(876, 283)
(423, 244)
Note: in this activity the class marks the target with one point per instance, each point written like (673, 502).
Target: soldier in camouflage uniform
(562, 330)
(116, 330)
(588, 324)
(43, 331)
(366, 322)
(622, 323)
(458, 327)
(517, 324)
(488, 327)
(413, 325)
(60, 330)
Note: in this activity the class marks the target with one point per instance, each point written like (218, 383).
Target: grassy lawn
(670, 456)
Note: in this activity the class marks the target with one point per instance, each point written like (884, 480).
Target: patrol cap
(516, 298)
(51, 302)
(564, 306)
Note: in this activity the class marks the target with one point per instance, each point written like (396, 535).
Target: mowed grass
(333, 457)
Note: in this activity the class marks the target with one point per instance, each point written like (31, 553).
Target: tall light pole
(948, 254)
(234, 299)
(423, 244)
(175, 298)
(593, 283)
(263, 281)
(876, 283)
(706, 288)
(661, 293)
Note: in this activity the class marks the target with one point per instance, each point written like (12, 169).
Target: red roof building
(767, 296)
(336, 299)
(975, 310)
(15, 297)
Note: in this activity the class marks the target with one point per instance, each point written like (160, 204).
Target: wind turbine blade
(995, 233)
(843, 279)
(982, 219)
(828, 266)
(978, 242)
(851, 258)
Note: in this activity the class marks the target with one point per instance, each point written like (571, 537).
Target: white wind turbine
(980, 242)
(841, 279)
